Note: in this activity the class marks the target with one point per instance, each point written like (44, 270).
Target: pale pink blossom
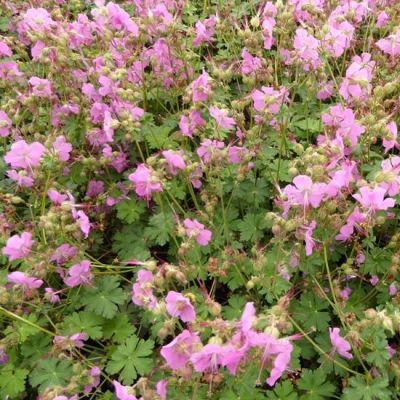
(373, 199)
(62, 148)
(145, 182)
(201, 88)
(221, 118)
(142, 290)
(210, 150)
(304, 192)
(5, 124)
(340, 345)
(79, 274)
(40, 87)
(180, 306)
(194, 229)
(123, 392)
(24, 155)
(174, 160)
(204, 31)
(18, 246)
(189, 124)
(28, 282)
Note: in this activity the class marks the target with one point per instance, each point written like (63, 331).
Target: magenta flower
(307, 49)
(391, 44)
(304, 192)
(64, 253)
(94, 188)
(391, 169)
(20, 278)
(236, 154)
(56, 197)
(269, 100)
(209, 150)
(5, 51)
(174, 160)
(79, 274)
(189, 124)
(178, 352)
(51, 296)
(194, 229)
(250, 64)
(145, 182)
(310, 243)
(392, 289)
(221, 118)
(340, 345)
(373, 199)
(20, 178)
(24, 155)
(18, 246)
(161, 388)
(390, 139)
(62, 148)
(40, 87)
(354, 221)
(180, 306)
(268, 24)
(142, 290)
(209, 358)
(374, 280)
(5, 124)
(201, 88)
(123, 392)
(338, 38)
(382, 20)
(204, 31)
(75, 340)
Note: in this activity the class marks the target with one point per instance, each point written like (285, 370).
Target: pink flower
(221, 117)
(180, 306)
(209, 358)
(357, 83)
(201, 88)
(353, 222)
(390, 140)
(268, 24)
(83, 222)
(40, 87)
(374, 280)
(189, 124)
(18, 246)
(19, 278)
(209, 150)
(392, 289)
(142, 292)
(161, 388)
(391, 44)
(79, 274)
(373, 199)
(338, 38)
(326, 91)
(120, 19)
(5, 51)
(62, 148)
(340, 345)
(64, 253)
(20, 178)
(382, 20)
(310, 243)
(178, 352)
(236, 154)
(307, 49)
(391, 175)
(75, 340)
(174, 160)
(94, 188)
(204, 31)
(269, 100)
(56, 197)
(304, 192)
(5, 124)
(196, 230)
(51, 296)
(123, 392)
(24, 155)
(145, 182)
(250, 64)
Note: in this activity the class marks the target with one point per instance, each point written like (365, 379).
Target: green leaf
(35, 347)
(310, 311)
(251, 227)
(315, 385)
(130, 243)
(359, 389)
(282, 391)
(130, 210)
(12, 381)
(51, 372)
(157, 136)
(160, 227)
(235, 307)
(119, 328)
(131, 359)
(83, 322)
(104, 298)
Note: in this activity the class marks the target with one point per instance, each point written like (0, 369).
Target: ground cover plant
(199, 199)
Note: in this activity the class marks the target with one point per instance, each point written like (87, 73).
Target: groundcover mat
(199, 199)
